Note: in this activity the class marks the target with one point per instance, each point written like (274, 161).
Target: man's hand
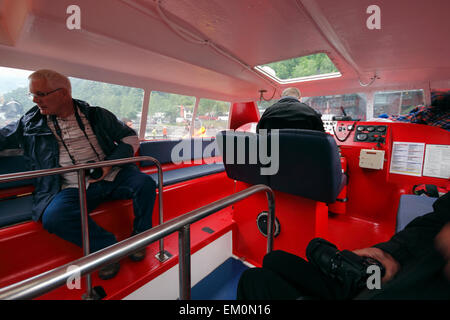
(443, 245)
(105, 170)
(390, 264)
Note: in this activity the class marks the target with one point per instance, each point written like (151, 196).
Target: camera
(348, 268)
(94, 173)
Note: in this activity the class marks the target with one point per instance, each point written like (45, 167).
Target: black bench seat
(188, 173)
(16, 210)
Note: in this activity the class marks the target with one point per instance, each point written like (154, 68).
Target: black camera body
(345, 266)
(94, 173)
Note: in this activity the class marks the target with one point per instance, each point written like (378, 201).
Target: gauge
(381, 129)
(360, 128)
(370, 129)
(361, 136)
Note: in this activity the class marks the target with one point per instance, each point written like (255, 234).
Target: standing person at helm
(61, 131)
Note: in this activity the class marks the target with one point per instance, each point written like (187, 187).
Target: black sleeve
(11, 136)
(116, 130)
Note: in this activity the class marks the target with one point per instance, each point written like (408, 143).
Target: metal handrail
(43, 283)
(80, 168)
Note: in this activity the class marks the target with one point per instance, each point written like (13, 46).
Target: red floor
(353, 233)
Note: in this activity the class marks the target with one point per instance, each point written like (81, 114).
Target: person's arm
(417, 238)
(125, 139)
(391, 265)
(412, 242)
(11, 136)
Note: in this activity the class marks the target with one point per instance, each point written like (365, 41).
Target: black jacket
(41, 150)
(421, 275)
(290, 113)
(417, 238)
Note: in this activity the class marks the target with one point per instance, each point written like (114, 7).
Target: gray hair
(292, 92)
(54, 79)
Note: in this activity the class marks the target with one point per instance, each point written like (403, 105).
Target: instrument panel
(370, 133)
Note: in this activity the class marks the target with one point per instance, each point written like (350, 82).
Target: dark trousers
(285, 276)
(62, 216)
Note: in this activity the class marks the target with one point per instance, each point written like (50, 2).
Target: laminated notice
(437, 161)
(407, 158)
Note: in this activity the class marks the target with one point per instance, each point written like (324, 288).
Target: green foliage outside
(20, 95)
(303, 66)
(124, 102)
(169, 104)
(213, 107)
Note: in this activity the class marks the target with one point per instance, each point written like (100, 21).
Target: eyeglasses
(41, 94)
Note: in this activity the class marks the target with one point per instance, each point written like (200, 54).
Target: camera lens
(324, 255)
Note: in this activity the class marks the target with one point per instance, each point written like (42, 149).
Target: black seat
(12, 209)
(240, 155)
(310, 165)
(309, 162)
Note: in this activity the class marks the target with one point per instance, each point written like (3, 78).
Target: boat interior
(345, 185)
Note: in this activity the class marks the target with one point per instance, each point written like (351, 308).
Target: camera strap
(83, 129)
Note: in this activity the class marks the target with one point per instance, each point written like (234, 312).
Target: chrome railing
(80, 168)
(43, 283)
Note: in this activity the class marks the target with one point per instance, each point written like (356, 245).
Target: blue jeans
(62, 216)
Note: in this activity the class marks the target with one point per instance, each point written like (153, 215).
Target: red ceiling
(126, 41)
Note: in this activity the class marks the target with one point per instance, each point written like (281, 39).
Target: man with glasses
(61, 131)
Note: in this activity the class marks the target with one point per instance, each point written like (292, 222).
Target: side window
(397, 102)
(14, 101)
(124, 102)
(212, 117)
(354, 105)
(169, 116)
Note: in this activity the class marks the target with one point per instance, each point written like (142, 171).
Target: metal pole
(161, 256)
(270, 221)
(84, 226)
(184, 263)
